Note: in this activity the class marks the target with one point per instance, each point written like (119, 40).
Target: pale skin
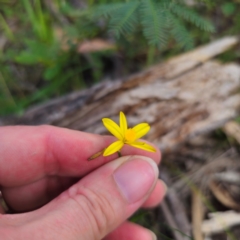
(56, 193)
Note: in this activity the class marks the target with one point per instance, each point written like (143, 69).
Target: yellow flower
(126, 135)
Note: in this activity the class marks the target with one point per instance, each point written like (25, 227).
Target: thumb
(102, 200)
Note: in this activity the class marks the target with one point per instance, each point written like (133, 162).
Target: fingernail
(136, 177)
(154, 237)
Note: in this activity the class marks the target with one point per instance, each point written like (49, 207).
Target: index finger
(30, 153)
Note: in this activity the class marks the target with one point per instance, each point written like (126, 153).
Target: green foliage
(181, 34)
(39, 20)
(125, 19)
(192, 17)
(37, 52)
(228, 9)
(154, 22)
(38, 64)
(159, 20)
(6, 28)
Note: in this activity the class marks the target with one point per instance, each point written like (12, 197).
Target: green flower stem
(150, 55)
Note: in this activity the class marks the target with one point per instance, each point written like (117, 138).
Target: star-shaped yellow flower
(126, 135)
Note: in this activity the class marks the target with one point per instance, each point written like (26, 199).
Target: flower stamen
(130, 135)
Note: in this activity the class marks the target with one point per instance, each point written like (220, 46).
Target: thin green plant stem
(150, 55)
(6, 28)
(30, 13)
(60, 3)
(90, 3)
(6, 91)
(177, 230)
(165, 237)
(36, 18)
(42, 28)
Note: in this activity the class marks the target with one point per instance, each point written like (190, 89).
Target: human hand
(57, 194)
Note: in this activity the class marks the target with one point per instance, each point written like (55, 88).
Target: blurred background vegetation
(50, 48)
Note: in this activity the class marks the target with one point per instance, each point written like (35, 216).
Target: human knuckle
(97, 209)
(51, 162)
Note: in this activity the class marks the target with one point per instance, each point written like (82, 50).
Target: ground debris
(185, 100)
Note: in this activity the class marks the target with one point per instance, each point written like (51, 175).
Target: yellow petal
(112, 148)
(123, 122)
(143, 145)
(141, 129)
(113, 128)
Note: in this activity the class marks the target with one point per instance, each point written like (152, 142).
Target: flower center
(130, 135)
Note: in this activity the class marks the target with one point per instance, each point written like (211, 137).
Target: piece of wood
(197, 214)
(223, 195)
(185, 62)
(203, 175)
(220, 222)
(230, 177)
(232, 129)
(95, 45)
(170, 220)
(175, 203)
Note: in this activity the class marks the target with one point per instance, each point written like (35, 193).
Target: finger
(27, 198)
(131, 231)
(31, 153)
(98, 203)
(47, 151)
(34, 195)
(156, 196)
